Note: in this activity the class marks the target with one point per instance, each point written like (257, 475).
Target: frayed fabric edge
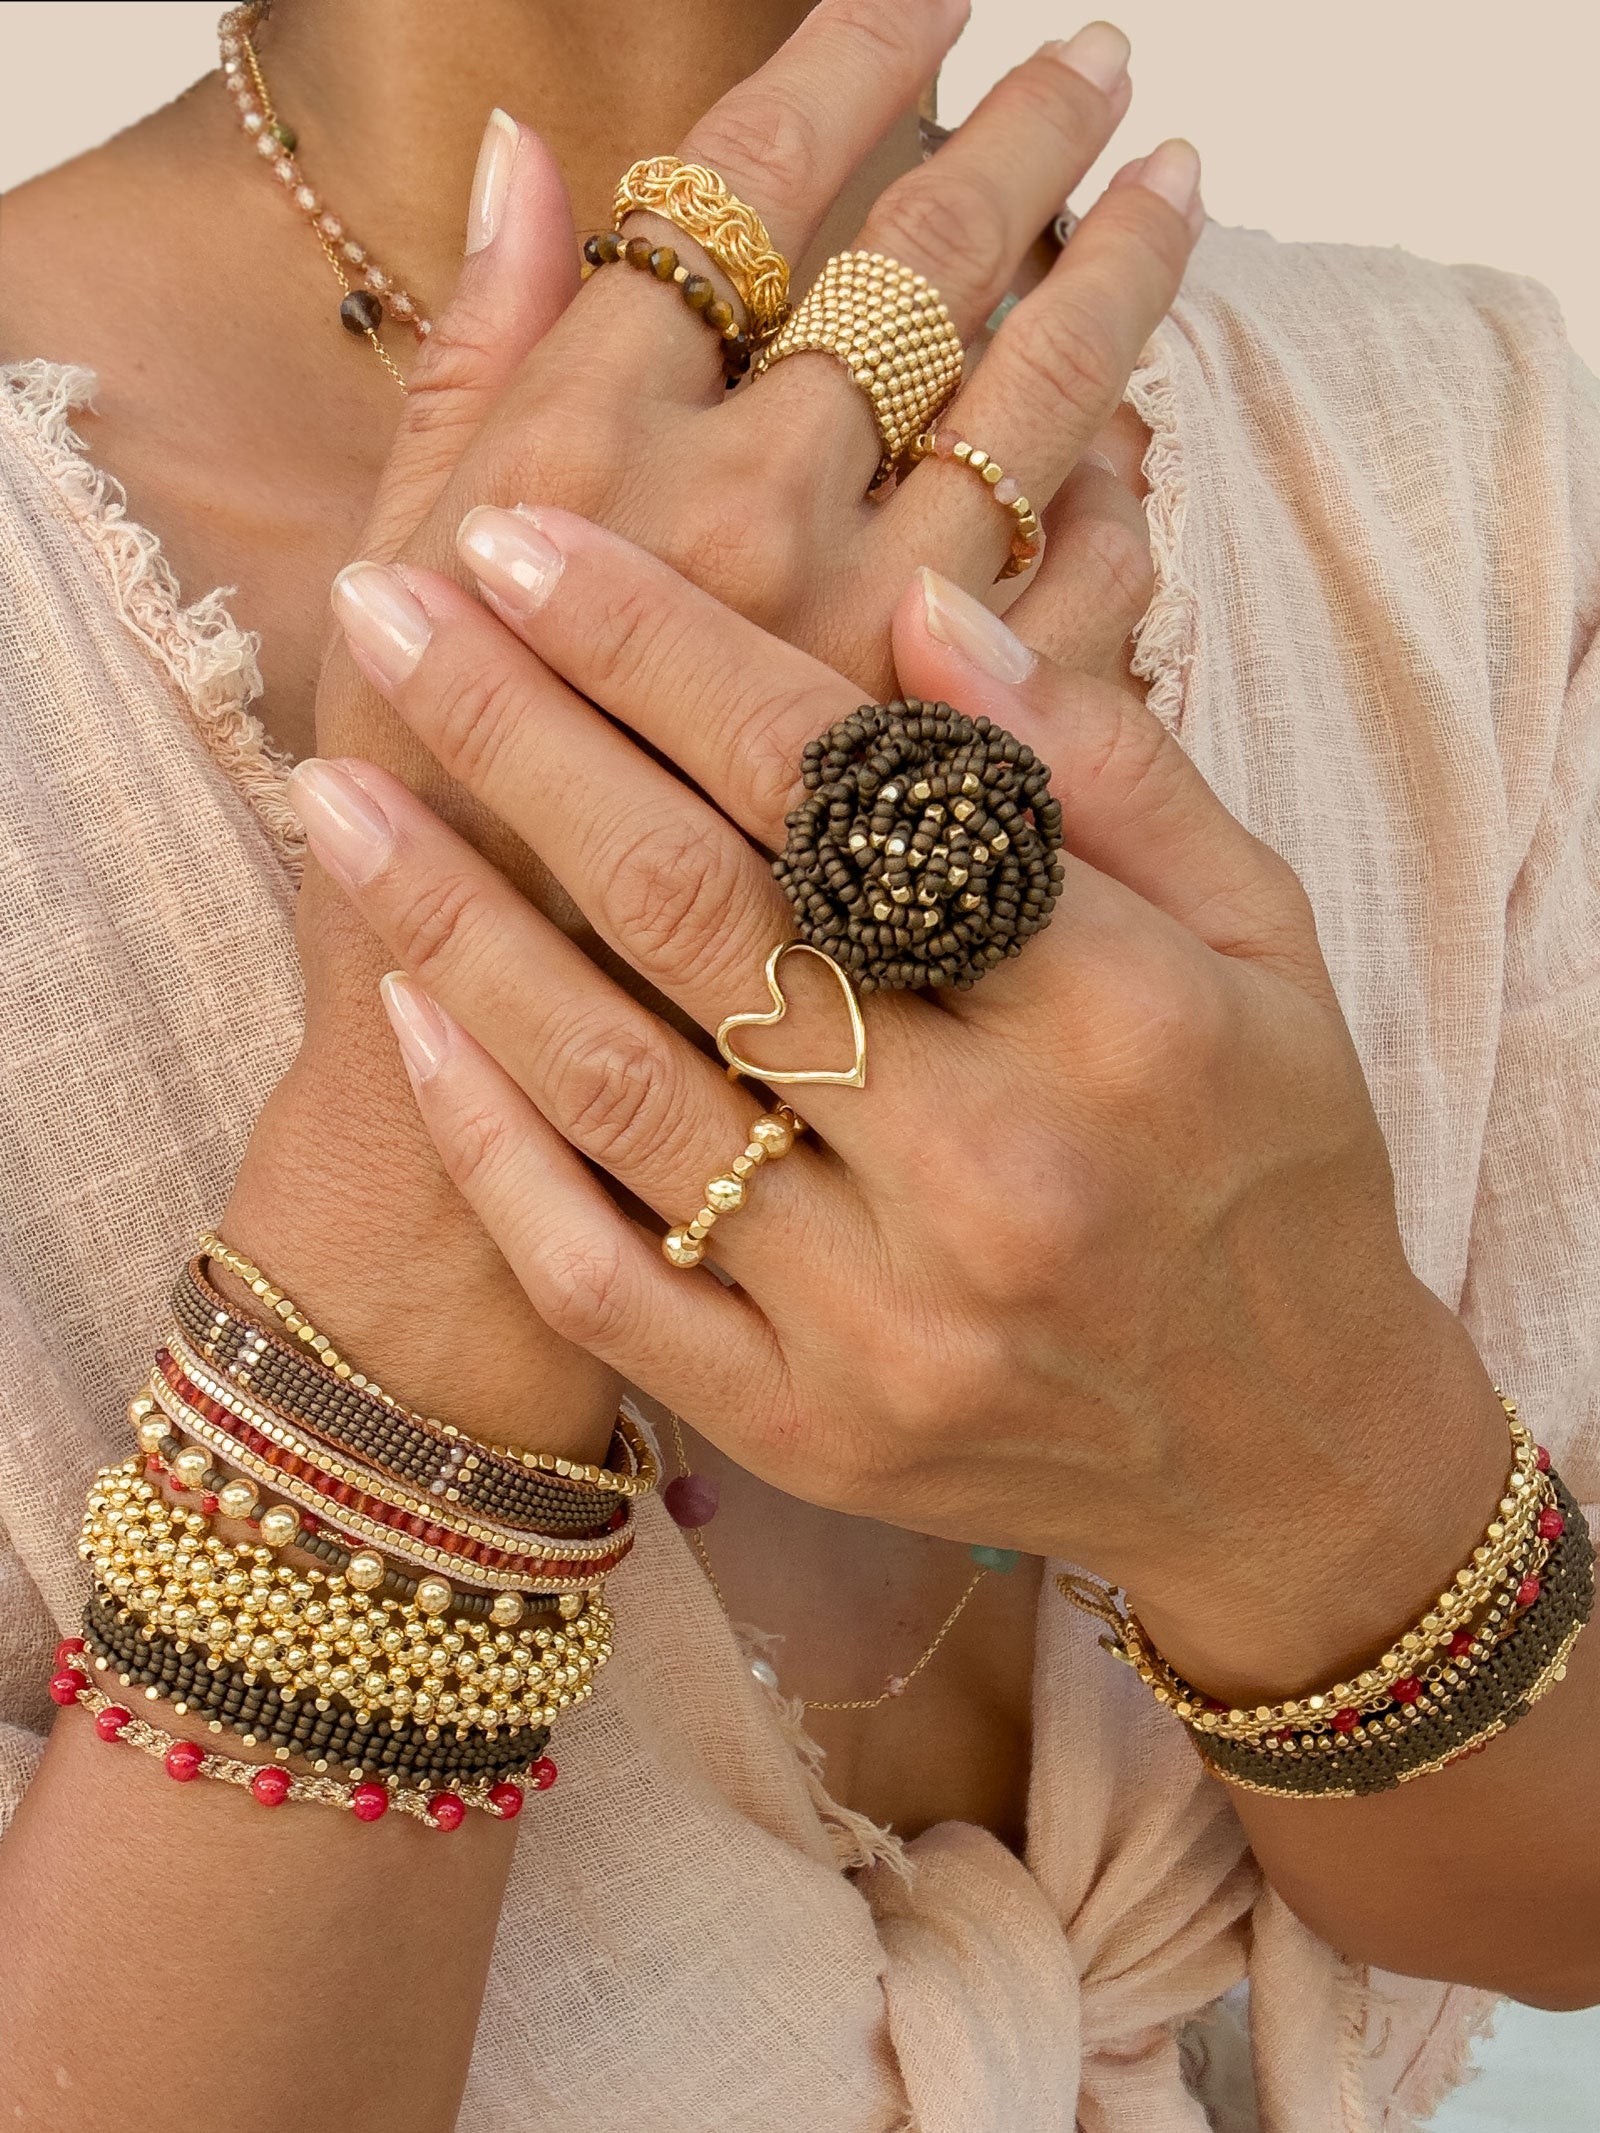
(858, 1842)
(1164, 642)
(210, 662)
(1443, 2064)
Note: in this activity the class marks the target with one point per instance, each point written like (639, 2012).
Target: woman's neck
(390, 97)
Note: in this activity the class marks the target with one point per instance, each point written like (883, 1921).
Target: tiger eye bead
(698, 292)
(637, 251)
(720, 315)
(361, 312)
(663, 262)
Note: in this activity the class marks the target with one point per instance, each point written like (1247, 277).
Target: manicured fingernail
(966, 626)
(1098, 459)
(386, 624)
(421, 1031)
(1099, 53)
(491, 181)
(345, 827)
(512, 557)
(1173, 171)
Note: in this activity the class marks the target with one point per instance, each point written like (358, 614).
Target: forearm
(1484, 1873)
(170, 1956)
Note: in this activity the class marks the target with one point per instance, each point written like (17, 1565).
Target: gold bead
(237, 1499)
(365, 1571)
(192, 1466)
(726, 1194)
(681, 1248)
(570, 1605)
(152, 1433)
(434, 1595)
(772, 1134)
(507, 1609)
(280, 1525)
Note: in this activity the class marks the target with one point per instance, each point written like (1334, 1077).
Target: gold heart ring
(852, 1077)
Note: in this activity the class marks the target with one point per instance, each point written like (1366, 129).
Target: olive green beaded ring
(697, 290)
(927, 848)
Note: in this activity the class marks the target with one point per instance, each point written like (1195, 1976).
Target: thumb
(1132, 803)
(519, 273)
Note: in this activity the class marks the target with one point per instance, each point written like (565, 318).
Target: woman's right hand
(610, 400)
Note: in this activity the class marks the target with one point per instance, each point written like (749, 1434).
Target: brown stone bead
(720, 315)
(361, 312)
(698, 292)
(637, 251)
(663, 262)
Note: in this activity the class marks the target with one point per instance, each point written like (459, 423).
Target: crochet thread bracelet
(272, 1786)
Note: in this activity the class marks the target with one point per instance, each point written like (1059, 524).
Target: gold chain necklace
(364, 309)
(691, 1502)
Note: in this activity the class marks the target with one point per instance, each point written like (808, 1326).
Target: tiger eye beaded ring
(927, 848)
(697, 290)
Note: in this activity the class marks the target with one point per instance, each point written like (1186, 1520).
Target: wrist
(1342, 1573)
(342, 1201)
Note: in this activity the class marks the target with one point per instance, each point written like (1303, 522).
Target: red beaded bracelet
(268, 1783)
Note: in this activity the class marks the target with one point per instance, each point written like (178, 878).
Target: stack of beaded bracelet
(1493, 1644)
(697, 291)
(431, 1692)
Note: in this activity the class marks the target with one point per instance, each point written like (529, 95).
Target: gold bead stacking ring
(697, 202)
(1027, 537)
(771, 1137)
(890, 329)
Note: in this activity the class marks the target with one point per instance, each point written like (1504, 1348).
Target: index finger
(732, 706)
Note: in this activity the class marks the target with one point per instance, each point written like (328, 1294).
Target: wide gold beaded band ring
(697, 202)
(890, 329)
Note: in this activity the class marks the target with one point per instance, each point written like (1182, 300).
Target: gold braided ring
(696, 201)
(890, 329)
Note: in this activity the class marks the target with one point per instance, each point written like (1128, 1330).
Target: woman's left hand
(1103, 1261)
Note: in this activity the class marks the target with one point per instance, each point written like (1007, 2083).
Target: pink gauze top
(1375, 495)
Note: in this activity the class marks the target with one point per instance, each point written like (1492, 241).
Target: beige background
(1456, 128)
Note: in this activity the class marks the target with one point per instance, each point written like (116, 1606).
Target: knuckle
(950, 227)
(585, 1290)
(431, 924)
(635, 636)
(1065, 359)
(449, 374)
(765, 135)
(478, 1147)
(475, 713)
(734, 543)
(612, 1088)
(676, 891)
(887, 36)
(1117, 559)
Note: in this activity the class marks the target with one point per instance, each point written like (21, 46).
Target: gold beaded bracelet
(280, 1429)
(645, 1470)
(313, 1633)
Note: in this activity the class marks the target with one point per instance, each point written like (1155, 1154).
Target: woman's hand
(1103, 1261)
(611, 397)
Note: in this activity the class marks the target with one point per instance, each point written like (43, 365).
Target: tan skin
(253, 394)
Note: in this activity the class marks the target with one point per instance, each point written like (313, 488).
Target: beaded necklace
(363, 309)
(691, 1503)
